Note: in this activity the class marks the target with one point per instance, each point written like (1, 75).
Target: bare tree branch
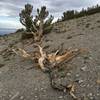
(34, 26)
(53, 58)
(23, 53)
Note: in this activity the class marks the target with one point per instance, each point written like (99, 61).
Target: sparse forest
(70, 14)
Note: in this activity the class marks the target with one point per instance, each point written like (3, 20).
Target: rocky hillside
(18, 83)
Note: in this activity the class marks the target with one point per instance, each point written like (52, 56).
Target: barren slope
(18, 83)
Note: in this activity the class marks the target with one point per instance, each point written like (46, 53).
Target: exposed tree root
(52, 60)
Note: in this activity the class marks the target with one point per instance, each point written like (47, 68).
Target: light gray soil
(18, 83)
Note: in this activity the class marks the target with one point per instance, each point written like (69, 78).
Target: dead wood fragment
(15, 96)
(98, 81)
(65, 87)
(23, 53)
(71, 88)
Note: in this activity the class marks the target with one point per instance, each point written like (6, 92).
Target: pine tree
(26, 17)
(40, 25)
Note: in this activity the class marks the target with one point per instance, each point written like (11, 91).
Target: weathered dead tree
(55, 60)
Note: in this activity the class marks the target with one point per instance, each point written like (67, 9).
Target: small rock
(92, 98)
(36, 99)
(43, 83)
(98, 94)
(77, 75)
(90, 58)
(90, 95)
(22, 97)
(85, 98)
(44, 95)
(35, 89)
(10, 95)
(98, 66)
(84, 68)
(80, 81)
(68, 74)
(83, 85)
(88, 85)
(36, 96)
(60, 97)
(42, 89)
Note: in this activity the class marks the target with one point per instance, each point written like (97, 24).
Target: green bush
(26, 35)
(41, 24)
(70, 14)
(20, 30)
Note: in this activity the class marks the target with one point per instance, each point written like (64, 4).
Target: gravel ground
(18, 83)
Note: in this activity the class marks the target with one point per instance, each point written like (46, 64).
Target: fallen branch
(23, 53)
(70, 88)
(15, 96)
(98, 82)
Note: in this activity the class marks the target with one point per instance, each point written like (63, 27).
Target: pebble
(90, 58)
(91, 98)
(83, 85)
(80, 81)
(10, 95)
(43, 83)
(22, 97)
(36, 96)
(98, 66)
(42, 89)
(77, 75)
(35, 89)
(90, 95)
(84, 68)
(68, 74)
(98, 94)
(36, 99)
(88, 85)
(60, 97)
